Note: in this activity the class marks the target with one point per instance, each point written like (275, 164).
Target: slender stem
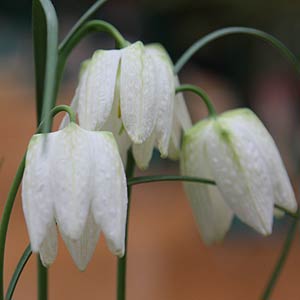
(59, 108)
(122, 262)
(236, 30)
(158, 178)
(202, 94)
(89, 13)
(5, 220)
(42, 280)
(17, 273)
(66, 47)
(281, 261)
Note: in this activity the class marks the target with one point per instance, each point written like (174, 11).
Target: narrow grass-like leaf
(45, 32)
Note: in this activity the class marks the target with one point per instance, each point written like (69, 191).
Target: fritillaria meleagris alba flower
(75, 178)
(237, 151)
(131, 92)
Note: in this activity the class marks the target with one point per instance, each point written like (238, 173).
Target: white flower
(236, 151)
(75, 178)
(131, 93)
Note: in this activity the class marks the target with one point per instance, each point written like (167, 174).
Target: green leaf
(45, 42)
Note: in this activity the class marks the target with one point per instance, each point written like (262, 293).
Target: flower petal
(78, 93)
(283, 191)
(164, 94)
(212, 214)
(137, 92)
(71, 179)
(109, 204)
(175, 140)
(37, 199)
(142, 153)
(241, 173)
(96, 99)
(48, 249)
(115, 125)
(82, 249)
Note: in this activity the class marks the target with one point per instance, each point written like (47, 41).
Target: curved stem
(5, 219)
(69, 44)
(237, 30)
(202, 94)
(122, 262)
(12, 196)
(89, 13)
(17, 273)
(59, 108)
(281, 261)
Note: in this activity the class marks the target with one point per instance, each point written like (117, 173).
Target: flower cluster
(75, 177)
(131, 92)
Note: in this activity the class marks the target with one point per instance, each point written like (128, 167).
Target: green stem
(12, 196)
(159, 178)
(202, 94)
(71, 42)
(5, 220)
(122, 262)
(17, 273)
(236, 30)
(89, 13)
(42, 273)
(282, 259)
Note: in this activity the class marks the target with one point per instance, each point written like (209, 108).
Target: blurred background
(167, 259)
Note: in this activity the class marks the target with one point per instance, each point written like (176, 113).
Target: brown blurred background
(167, 259)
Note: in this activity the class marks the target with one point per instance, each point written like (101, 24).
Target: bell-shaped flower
(74, 178)
(131, 93)
(237, 151)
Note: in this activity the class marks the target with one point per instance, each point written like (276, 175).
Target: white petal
(241, 174)
(175, 140)
(212, 214)
(142, 153)
(82, 249)
(37, 199)
(71, 179)
(164, 94)
(181, 121)
(48, 249)
(109, 205)
(115, 125)
(137, 92)
(97, 97)
(181, 110)
(283, 191)
(75, 100)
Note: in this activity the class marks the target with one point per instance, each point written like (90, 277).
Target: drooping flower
(237, 151)
(75, 178)
(130, 92)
